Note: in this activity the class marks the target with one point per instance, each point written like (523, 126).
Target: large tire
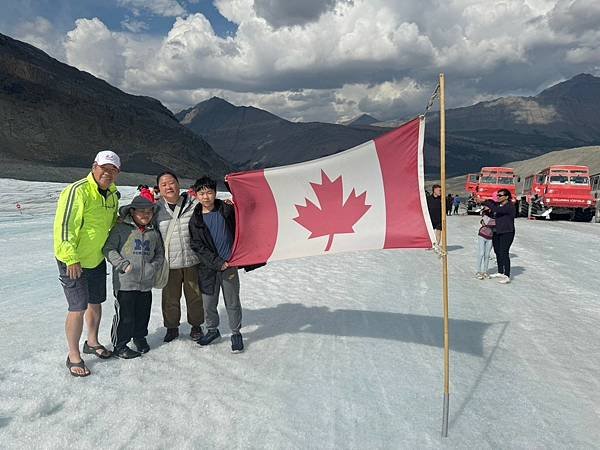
(555, 216)
(535, 209)
(597, 218)
(523, 208)
(583, 215)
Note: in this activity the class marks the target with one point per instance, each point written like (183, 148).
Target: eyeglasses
(502, 195)
(108, 168)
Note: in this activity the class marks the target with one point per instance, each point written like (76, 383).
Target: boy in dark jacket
(212, 232)
(135, 250)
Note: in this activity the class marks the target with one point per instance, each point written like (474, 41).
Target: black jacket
(434, 204)
(504, 215)
(203, 245)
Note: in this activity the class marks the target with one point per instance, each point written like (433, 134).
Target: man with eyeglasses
(85, 214)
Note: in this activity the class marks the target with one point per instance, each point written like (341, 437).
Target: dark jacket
(434, 204)
(204, 247)
(504, 215)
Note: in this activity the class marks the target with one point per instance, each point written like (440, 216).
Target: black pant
(502, 243)
(132, 314)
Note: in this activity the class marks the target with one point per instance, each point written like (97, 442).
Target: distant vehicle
(471, 183)
(595, 184)
(559, 191)
(490, 181)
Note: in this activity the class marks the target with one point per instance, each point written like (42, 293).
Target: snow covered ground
(343, 351)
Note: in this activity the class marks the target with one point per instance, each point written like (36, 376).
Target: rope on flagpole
(434, 95)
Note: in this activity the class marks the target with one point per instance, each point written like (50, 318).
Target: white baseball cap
(108, 157)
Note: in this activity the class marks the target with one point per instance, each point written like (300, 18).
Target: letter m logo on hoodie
(141, 247)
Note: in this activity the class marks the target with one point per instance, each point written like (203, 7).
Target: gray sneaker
(209, 337)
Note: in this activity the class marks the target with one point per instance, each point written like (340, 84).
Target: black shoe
(237, 343)
(126, 353)
(141, 345)
(196, 333)
(172, 333)
(209, 337)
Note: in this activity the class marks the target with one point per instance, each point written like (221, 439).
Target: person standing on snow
(434, 204)
(449, 200)
(135, 250)
(455, 204)
(212, 232)
(504, 233)
(484, 238)
(85, 214)
(183, 262)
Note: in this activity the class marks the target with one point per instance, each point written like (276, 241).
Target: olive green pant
(171, 297)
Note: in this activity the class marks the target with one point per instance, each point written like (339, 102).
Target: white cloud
(167, 8)
(92, 47)
(338, 58)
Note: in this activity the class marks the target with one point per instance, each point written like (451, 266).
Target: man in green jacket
(85, 214)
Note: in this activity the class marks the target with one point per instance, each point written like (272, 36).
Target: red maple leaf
(334, 216)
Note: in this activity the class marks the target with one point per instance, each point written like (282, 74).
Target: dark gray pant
(229, 282)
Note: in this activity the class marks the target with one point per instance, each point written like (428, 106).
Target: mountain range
(488, 133)
(53, 115)
(251, 138)
(516, 128)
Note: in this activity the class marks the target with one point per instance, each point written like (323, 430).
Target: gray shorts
(89, 288)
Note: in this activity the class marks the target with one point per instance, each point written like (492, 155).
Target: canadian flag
(368, 197)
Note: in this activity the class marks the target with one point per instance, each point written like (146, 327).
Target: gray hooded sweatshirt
(143, 249)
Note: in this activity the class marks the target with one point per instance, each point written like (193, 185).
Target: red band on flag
(398, 153)
(256, 215)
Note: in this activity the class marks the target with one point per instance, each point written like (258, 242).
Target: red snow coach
(491, 180)
(559, 192)
(471, 184)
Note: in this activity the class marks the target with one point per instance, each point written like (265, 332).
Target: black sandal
(80, 364)
(104, 353)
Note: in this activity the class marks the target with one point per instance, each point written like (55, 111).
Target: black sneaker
(172, 333)
(126, 353)
(196, 333)
(141, 345)
(237, 343)
(209, 337)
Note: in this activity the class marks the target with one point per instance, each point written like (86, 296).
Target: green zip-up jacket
(82, 222)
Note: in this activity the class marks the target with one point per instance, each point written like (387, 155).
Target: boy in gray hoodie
(135, 250)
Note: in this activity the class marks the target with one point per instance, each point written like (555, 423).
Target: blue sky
(316, 60)
(63, 13)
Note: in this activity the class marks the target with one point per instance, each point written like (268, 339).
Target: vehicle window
(579, 180)
(488, 180)
(506, 180)
(558, 179)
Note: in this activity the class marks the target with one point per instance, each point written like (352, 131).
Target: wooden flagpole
(444, 253)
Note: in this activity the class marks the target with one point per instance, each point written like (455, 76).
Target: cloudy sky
(326, 60)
